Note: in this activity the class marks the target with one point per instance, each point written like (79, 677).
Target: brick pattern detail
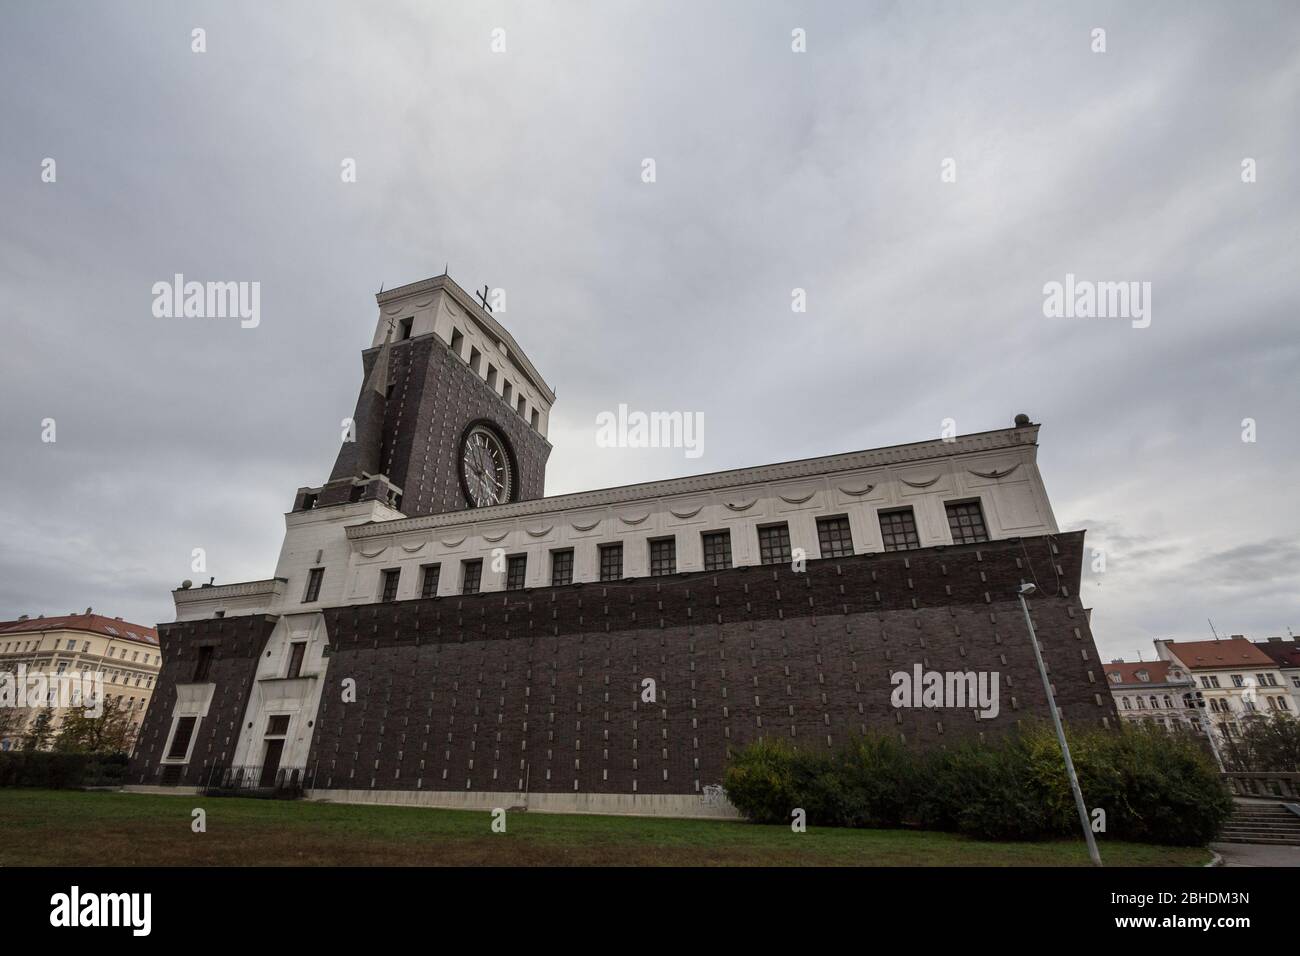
(542, 688)
(435, 396)
(237, 643)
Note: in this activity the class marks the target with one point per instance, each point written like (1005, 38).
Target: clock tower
(451, 415)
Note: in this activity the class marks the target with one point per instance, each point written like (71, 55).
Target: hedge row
(60, 771)
(1154, 787)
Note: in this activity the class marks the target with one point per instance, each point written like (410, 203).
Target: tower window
(966, 522)
(561, 567)
(507, 392)
(492, 376)
(774, 544)
(471, 573)
(457, 341)
(663, 556)
(717, 550)
(611, 562)
(536, 420)
(405, 327)
(391, 576)
(898, 528)
(313, 585)
(429, 583)
(523, 404)
(475, 359)
(516, 570)
(834, 537)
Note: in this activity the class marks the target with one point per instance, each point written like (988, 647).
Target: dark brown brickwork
(236, 643)
(435, 395)
(483, 691)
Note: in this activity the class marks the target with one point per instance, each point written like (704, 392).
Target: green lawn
(70, 828)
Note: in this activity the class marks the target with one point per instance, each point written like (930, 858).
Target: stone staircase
(1260, 821)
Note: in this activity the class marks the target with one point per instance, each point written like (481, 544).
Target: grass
(72, 828)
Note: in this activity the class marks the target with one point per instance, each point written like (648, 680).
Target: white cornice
(980, 442)
(223, 591)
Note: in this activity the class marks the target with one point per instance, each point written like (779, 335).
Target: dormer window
(1115, 677)
(1144, 675)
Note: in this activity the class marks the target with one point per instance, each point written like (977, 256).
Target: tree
(1266, 744)
(110, 732)
(38, 734)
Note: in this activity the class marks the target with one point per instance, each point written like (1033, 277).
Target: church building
(437, 631)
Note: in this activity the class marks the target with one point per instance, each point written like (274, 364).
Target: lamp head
(1027, 589)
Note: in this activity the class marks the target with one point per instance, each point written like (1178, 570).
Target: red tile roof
(1217, 655)
(1157, 672)
(1282, 653)
(92, 623)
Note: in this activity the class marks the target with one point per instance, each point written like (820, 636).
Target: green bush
(57, 770)
(1154, 787)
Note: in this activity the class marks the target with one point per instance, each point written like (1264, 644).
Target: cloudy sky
(774, 169)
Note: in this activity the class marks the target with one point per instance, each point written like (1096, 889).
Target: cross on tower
(483, 298)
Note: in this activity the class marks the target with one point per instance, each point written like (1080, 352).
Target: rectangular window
(522, 407)
(471, 572)
(475, 359)
(898, 528)
(391, 576)
(297, 650)
(277, 725)
(516, 570)
(561, 567)
(457, 341)
(834, 537)
(774, 544)
(507, 392)
(429, 583)
(72, 646)
(966, 522)
(535, 419)
(180, 747)
(717, 550)
(1237, 681)
(663, 556)
(492, 376)
(204, 664)
(313, 585)
(611, 562)
(406, 325)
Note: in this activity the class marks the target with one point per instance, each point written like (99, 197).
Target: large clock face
(485, 468)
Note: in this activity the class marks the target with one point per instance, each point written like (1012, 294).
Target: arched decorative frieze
(857, 492)
(995, 473)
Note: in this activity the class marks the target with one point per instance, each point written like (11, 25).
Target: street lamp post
(1060, 732)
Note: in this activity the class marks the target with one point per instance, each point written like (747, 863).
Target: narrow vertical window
(391, 577)
(516, 571)
(663, 556)
(561, 567)
(429, 582)
(717, 550)
(471, 573)
(774, 544)
(611, 562)
(297, 650)
(966, 522)
(312, 593)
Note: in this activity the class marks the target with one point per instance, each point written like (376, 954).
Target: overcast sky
(774, 170)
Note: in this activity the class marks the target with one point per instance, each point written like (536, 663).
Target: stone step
(1272, 841)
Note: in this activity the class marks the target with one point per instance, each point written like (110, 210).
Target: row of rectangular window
(834, 538)
(507, 390)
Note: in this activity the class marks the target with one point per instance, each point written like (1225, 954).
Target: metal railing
(1284, 786)
(253, 780)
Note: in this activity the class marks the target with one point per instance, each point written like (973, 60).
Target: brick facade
(236, 642)
(542, 688)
